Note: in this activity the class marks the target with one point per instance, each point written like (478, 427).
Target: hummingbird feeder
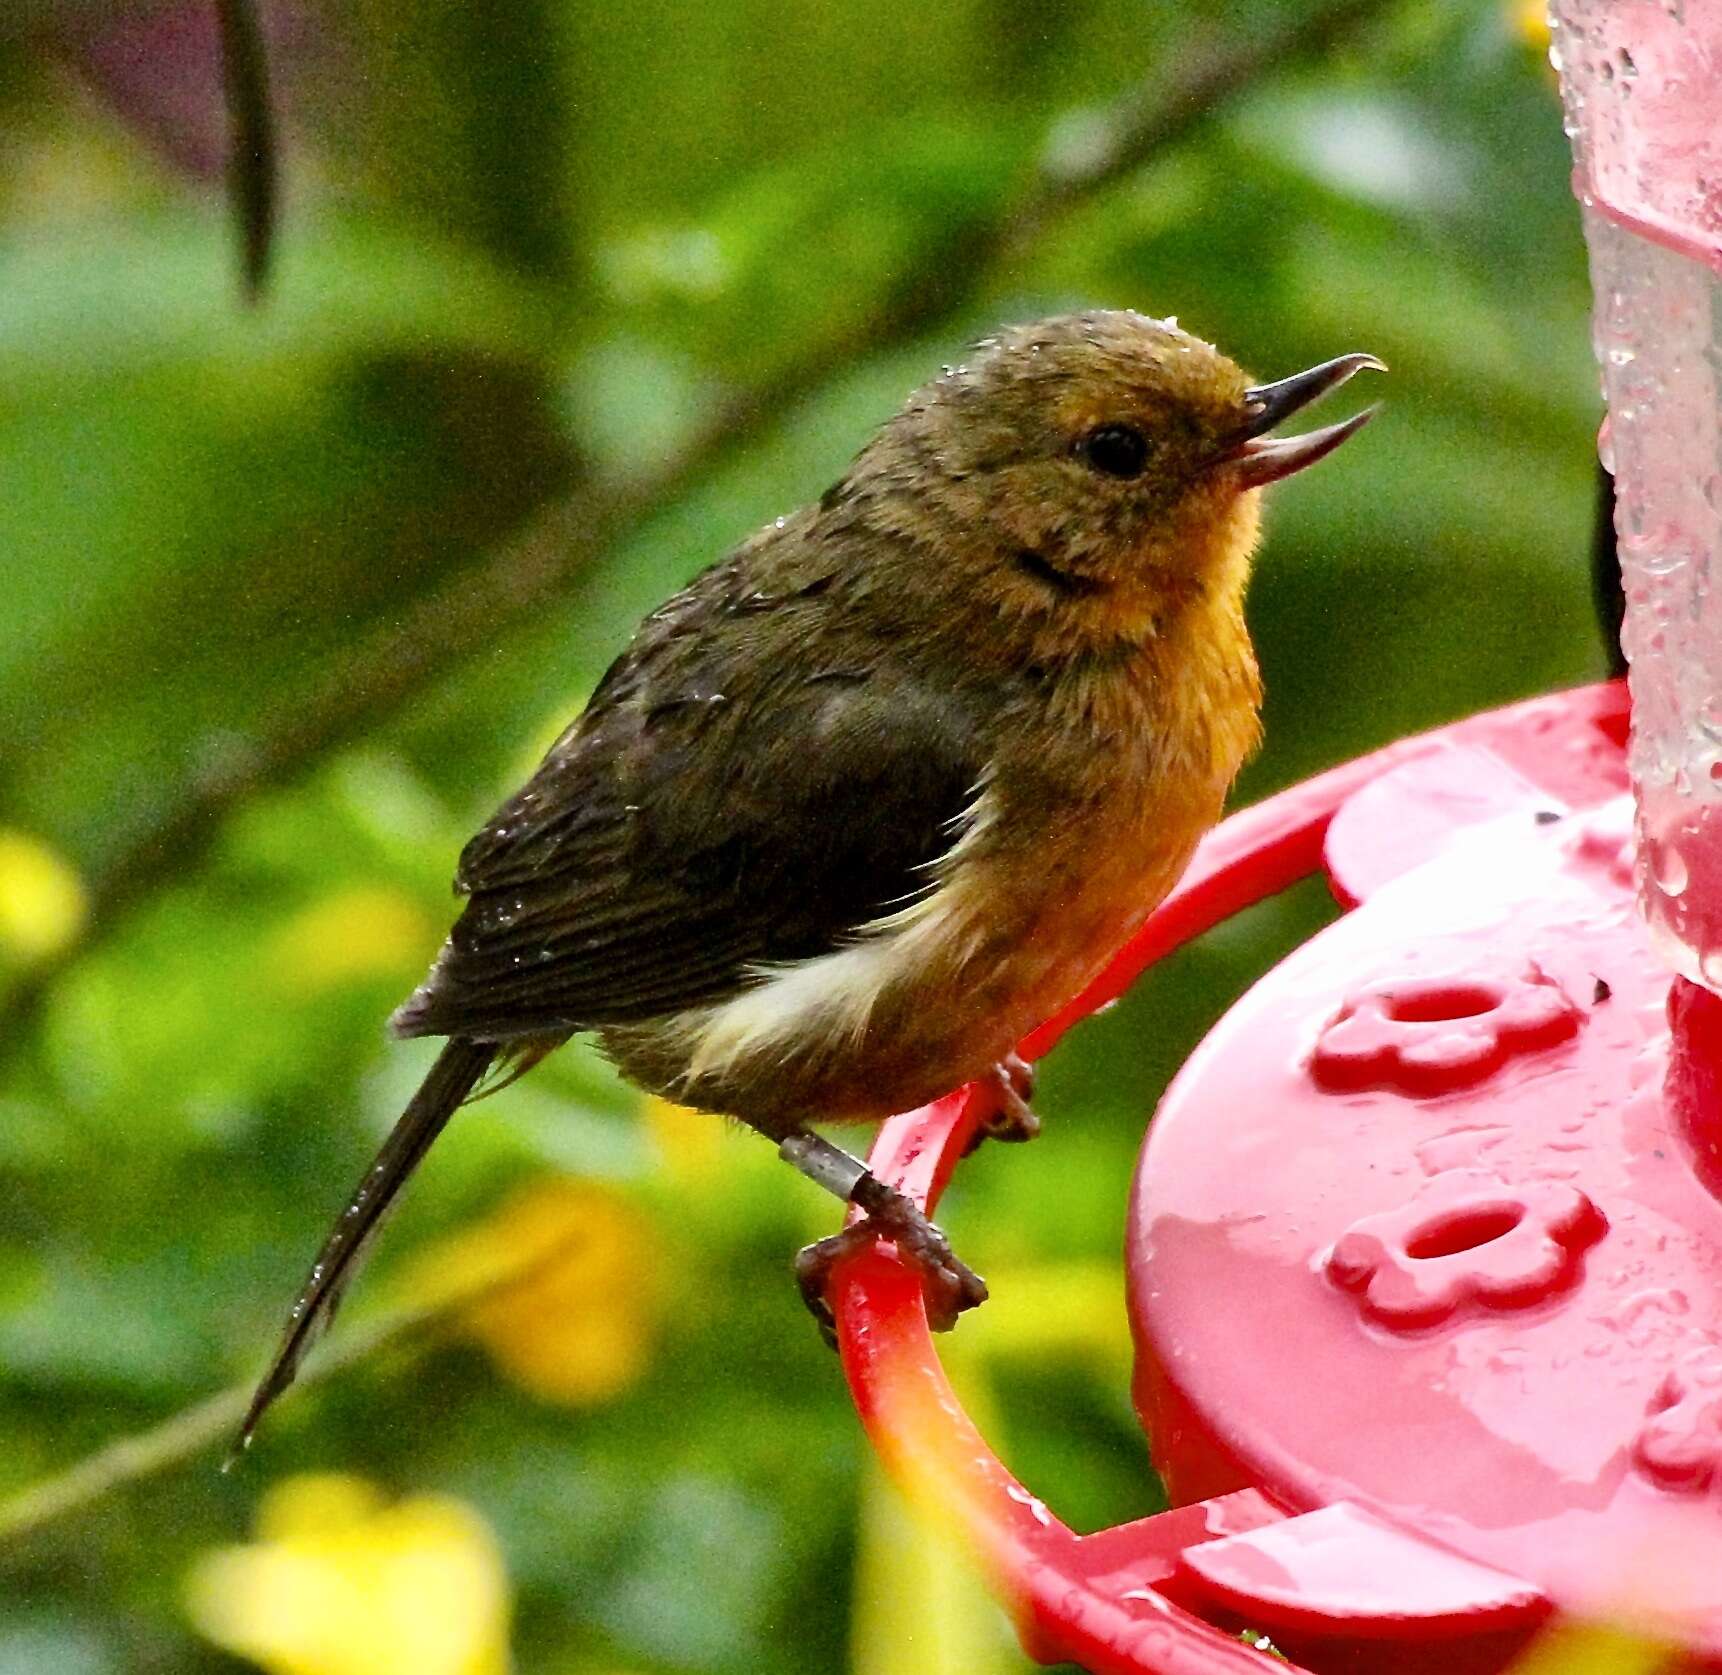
(1425, 1243)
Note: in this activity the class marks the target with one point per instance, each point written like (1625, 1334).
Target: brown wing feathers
(681, 836)
(673, 840)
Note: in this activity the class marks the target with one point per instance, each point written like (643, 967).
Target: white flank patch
(830, 998)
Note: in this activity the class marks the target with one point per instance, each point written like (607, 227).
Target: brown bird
(875, 794)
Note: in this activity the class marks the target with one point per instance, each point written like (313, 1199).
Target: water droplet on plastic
(1668, 868)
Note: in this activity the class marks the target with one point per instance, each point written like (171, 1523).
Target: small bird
(875, 794)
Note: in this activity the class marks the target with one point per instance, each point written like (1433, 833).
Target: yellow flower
(43, 904)
(1589, 1649)
(918, 1602)
(366, 931)
(1529, 21)
(692, 1143)
(579, 1326)
(714, 1164)
(1056, 1309)
(340, 1583)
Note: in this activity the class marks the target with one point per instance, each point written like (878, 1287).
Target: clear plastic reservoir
(1642, 81)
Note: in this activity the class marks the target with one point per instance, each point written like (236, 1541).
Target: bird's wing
(728, 801)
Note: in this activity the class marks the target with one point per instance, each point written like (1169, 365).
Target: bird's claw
(1014, 1121)
(948, 1283)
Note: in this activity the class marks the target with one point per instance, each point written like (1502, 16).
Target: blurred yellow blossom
(339, 1582)
(1044, 1310)
(1530, 22)
(714, 1161)
(43, 903)
(369, 930)
(690, 1142)
(918, 1603)
(1588, 1649)
(580, 1325)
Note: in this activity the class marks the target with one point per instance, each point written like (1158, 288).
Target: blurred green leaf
(813, 247)
(44, 1644)
(289, 476)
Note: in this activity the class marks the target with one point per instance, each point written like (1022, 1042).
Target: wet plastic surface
(1642, 82)
(1426, 1357)
(1635, 75)
(1472, 1284)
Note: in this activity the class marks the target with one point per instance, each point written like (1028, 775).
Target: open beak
(1260, 458)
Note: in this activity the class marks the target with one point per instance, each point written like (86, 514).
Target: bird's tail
(452, 1078)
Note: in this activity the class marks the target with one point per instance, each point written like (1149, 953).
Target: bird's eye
(1118, 450)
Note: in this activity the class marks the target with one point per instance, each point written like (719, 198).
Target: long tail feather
(452, 1078)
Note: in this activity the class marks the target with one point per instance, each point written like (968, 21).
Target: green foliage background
(293, 594)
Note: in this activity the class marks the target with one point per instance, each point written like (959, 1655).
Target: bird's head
(1104, 452)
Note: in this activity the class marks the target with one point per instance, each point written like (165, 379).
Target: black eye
(1118, 450)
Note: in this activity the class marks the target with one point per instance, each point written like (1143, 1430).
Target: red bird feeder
(1425, 1248)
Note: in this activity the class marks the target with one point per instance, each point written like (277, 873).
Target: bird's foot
(948, 1283)
(1014, 1121)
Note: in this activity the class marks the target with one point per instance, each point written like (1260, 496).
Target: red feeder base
(1425, 1252)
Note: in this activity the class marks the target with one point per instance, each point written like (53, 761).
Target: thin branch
(216, 1420)
(1156, 115)
(252, 169)
(525, 575)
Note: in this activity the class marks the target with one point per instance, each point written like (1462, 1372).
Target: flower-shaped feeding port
(1680, 1446)
(1465, 1239)
(1429, 1035)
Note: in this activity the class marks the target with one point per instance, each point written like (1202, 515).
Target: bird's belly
(1064, 930)
(928, 1002)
